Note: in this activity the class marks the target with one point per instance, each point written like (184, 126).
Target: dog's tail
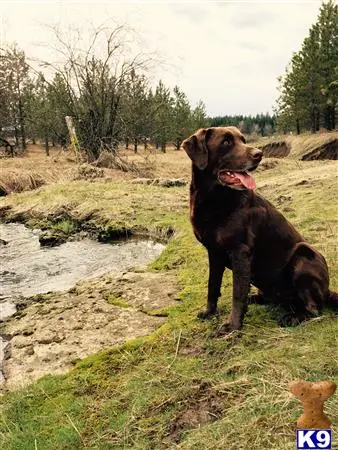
(332, 300)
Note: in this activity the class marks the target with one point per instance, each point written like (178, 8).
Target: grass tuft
(117, 301)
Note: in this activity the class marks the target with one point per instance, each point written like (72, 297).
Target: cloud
(227, 54)
(253, 17)
(197, 14)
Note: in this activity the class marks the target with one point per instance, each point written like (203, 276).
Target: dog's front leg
(241, 287)
(216, 270)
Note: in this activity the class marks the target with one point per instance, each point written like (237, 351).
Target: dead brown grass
(18, 180)
(34, 168)
(172, 164)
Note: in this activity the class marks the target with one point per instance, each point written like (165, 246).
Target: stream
(28, 269)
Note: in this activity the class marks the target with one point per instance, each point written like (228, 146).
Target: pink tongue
(246, 179)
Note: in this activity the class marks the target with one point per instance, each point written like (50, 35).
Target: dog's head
(223, 153)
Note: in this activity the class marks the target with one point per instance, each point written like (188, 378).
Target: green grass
(183, 386)
(66, 226)
(117, 301)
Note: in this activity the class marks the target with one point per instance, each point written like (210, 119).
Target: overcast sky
(229, 54)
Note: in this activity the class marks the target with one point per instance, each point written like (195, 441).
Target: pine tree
(182, 117)
(163, 116)
(199, 116)
(308, 90)
(328, 60)
(14, 80)
(134, 107)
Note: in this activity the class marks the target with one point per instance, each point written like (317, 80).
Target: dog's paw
(290, 320)
(257, 299)
(227, 327)
(207, 314)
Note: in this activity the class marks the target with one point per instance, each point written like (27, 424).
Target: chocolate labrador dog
(245, 233)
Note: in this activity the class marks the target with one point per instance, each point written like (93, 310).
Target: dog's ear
(196, 147)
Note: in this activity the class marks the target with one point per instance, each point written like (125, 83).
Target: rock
(283, 198)
(145, 290)
(81, 325)
(288, 209)
(3, 347)
(302, 182)
(174, 182)
(50, 239)
(142, 181)
(28, 331)
(46, 340)
(21, 343)
(30, 350)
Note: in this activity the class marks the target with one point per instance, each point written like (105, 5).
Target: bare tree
(95, 77)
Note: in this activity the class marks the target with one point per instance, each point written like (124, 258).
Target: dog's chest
(216, 227)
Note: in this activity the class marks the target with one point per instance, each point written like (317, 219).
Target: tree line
(108, 95)
(309, 87)
(263, 124)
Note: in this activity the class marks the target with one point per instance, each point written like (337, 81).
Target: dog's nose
(256, 154)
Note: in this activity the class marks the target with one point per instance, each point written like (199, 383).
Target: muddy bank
(56, 330)
(276, 149)
(325, 151)
(308, 148)
(65, 224)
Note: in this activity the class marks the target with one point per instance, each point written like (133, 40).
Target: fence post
(73, 138)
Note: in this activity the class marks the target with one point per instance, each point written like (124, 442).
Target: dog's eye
(243, 139)
(227, 140)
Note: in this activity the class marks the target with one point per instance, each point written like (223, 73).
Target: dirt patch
(282, 199)
(267, 164)
(56, 330)
(276, 149)
(197, 415)
(328, 150)
(205, 406)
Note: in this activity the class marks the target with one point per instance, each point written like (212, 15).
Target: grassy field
(184, 386)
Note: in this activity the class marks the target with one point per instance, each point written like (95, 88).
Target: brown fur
(245, 233)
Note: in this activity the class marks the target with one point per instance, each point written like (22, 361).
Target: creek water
(28, 269)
